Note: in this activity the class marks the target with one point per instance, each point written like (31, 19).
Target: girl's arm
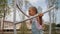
(30, 21)
(39, 18)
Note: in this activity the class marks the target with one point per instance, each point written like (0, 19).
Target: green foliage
(23, 28)
(58, 25)
(53, 28)
(46, 27)
(4, 7)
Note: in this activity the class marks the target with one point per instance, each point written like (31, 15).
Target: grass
(28, 32)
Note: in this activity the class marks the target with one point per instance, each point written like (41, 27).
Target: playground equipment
(16, 5)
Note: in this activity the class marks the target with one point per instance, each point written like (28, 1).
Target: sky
(41, 3)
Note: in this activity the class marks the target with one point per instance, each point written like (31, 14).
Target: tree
(58, 25)
(52, 13)
(23, 28)
(3, 11)
(4, 8)
(53, 28)
(45, 27)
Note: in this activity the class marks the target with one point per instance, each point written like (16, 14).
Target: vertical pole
(49, 4)
(23, 3)
(50, 23)
(23, 15)
(2, 25)
(14, 17)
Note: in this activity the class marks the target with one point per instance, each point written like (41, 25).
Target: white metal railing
(48, 10)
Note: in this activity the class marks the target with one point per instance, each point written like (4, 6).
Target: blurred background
(51, 19)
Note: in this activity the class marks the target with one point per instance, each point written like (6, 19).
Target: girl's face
(32, 11)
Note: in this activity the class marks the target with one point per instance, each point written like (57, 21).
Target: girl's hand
(40, 15)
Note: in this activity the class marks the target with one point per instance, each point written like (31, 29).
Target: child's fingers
(41, 14)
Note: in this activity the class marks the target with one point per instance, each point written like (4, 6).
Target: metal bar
(48, 10)
(50, 23)
(14, 17)
(21, 10)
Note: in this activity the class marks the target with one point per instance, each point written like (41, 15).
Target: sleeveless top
(35, 24)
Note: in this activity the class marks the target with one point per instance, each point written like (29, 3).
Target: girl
(36, 22)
